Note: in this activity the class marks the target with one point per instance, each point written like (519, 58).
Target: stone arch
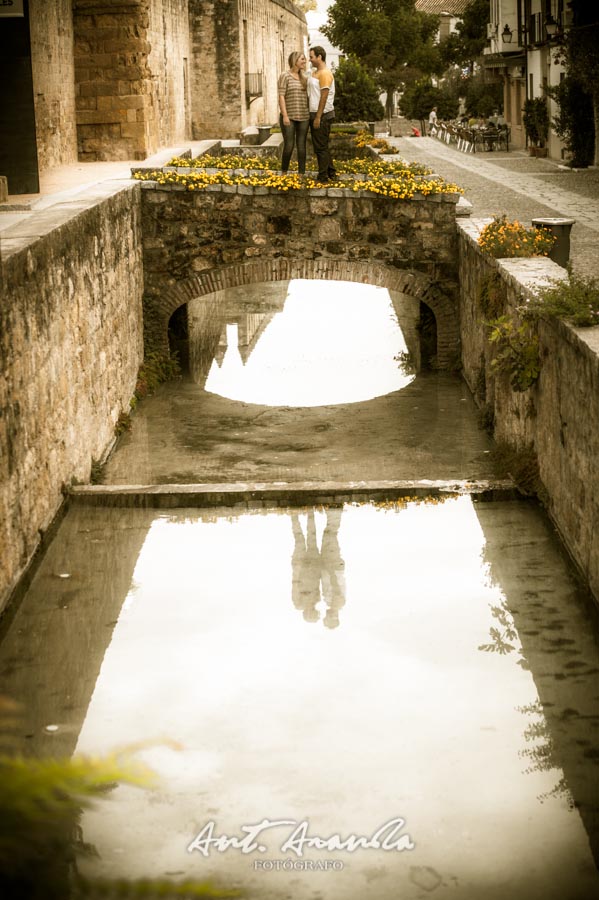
(440, 297)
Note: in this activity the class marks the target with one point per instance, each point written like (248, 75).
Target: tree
(536, 120)
(467, 43)
(574, 120)
(418, 100)
(356, 93)
(580, 53)
(306, 5)
(389, 37)
(482, 97)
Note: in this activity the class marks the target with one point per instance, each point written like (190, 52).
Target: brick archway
(440, 299)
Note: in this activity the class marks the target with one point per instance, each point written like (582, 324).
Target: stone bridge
(197, 243)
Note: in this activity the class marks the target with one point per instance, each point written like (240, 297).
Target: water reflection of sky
(395, 712)
(331, 343)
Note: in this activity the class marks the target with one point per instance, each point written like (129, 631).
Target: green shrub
(576, 300)
(356, 93)
(491, 296)
(536, 120)
(574, 122)
(517, 352)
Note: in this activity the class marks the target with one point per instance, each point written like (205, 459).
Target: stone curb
(169, 496)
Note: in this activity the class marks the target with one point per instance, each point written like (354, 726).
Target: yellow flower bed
(502, 239)
(395, 180)
(366, 139)
(229, 161)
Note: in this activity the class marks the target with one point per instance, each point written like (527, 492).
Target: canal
(421, 666)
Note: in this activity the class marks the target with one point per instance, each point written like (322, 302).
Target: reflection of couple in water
(313, 568)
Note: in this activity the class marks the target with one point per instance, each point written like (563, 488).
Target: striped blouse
(296, 97)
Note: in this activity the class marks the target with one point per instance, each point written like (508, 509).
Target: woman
(294, 118)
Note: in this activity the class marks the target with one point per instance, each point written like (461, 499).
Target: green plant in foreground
(517, 352)
(41, 801)
(575, 299)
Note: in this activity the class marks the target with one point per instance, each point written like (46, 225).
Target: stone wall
(51, 28)
(115, 115)
(70, 347)
(231, 40)
(132, 87)
(270, 31)
(169, 62)
(202, 242)
(559, 416)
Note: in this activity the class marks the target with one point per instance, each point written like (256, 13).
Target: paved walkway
(519, 186)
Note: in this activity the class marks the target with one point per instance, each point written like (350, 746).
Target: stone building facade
(119, 79)
(131, 76)
(51, 27)
(239, 50)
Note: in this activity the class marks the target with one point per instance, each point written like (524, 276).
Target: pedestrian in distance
(321, 100)
(293, 104)
(432, 120)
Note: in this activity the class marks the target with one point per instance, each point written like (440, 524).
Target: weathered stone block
(326, 230)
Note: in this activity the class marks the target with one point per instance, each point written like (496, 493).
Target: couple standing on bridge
(307, 100)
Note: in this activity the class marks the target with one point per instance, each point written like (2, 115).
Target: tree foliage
(389, 37)
(580, 54)
(418, 100)
(536, 120)
(356, 93)
(574, 120)
(467, 43)
(482, 97)
(306, 5)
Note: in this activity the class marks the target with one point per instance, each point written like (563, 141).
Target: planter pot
(540, 152)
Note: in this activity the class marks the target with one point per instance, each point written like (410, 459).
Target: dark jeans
(320, 142)
(294, 134)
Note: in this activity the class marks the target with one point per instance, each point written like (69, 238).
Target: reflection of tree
(407, 362)
(315, 571)
(501, 637)
(542, 756)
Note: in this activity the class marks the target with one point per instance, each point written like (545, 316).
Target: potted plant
(536, 124)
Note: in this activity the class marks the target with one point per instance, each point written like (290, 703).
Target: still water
(323, 346)
(344, 666)
(304, 381)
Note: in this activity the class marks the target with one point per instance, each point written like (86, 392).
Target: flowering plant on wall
(502, 239)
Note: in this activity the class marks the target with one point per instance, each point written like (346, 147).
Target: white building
(521, 36)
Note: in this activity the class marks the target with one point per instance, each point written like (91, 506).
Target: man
(321, 101)
(432, 121)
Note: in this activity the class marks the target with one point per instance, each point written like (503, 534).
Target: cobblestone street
(520, 186)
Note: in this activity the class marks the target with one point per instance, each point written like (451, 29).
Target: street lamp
(506, 35)
(551, 26)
